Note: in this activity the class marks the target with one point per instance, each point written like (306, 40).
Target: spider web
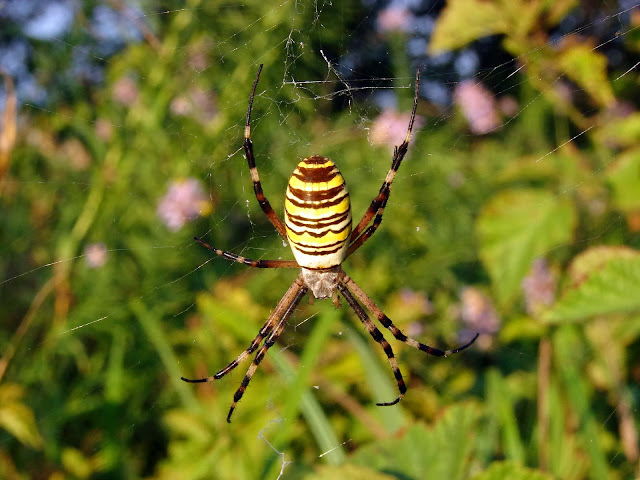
(343, 85)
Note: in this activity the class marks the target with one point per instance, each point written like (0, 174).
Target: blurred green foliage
(92, 354)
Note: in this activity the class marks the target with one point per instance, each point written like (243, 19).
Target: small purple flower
(478, 312)
(413, 299)
(195, 103)
(390, 127)
(479, 316)
(95, 255)
(478, 106)
(184, 202)
(539, 287)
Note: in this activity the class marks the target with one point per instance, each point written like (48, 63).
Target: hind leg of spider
(388, 324)
(376, 208)
(251, 160)
(283, 306)
(378, 337)
(264, 331)
(297, 291)
(247, 261)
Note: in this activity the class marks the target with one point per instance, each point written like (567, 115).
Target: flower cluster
(95, 255)
(184, 202)
(539, 287)
(390, 127)
(479, 315)
(478, 106)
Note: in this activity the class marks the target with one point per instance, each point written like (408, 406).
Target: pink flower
(508, 106)
(478, 106)
(184, 202)
(539, 287)
(104, 129)
(394, 19)
(125, 91)
(390, 127)
(95, 255)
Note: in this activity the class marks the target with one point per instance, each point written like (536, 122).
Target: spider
(318, 227)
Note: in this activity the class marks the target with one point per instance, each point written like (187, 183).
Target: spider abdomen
(317, 213)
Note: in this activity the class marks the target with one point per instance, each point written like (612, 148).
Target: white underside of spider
(322, 283)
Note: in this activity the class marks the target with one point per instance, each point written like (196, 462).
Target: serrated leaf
(593, 259)
(613, 289)
(517, 226)
(512, 471)
(441, 452)
(348, 472)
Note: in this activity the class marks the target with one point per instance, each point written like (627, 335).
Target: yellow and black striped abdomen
(317, 213)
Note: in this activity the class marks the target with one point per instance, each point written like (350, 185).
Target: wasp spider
(317, 224)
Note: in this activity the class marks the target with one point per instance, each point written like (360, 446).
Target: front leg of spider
(318, 226)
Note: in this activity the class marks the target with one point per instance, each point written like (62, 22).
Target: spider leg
(264, 331)
(282, 308)
(387, 323)
(247, 261)
(380, 201)
(288, 303)
(378, 337)
(251, 160)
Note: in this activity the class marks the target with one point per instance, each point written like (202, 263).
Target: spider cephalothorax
(318, 226)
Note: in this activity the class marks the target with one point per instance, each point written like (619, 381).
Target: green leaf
(442, 452)
(512, 471)
(463, 21)
(348, 472)
(571, 360)
(612, 289)
(380, 379)
(588, 68)
(16, 417)
(624, 178)
(501, 403)
(517, 226)
(299, 396)
(624, 131)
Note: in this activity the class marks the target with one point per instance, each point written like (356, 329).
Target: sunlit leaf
(512, 471)
(624, 131)
(593, 259)
(558, 9)
(76, 463)
(514, 228)
(624, 178)
(463, 21)
(441, 452)
(16, 417)
(348, 472)
(612, 289)
(588, 68)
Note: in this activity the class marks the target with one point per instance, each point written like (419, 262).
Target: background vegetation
(516, 214)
